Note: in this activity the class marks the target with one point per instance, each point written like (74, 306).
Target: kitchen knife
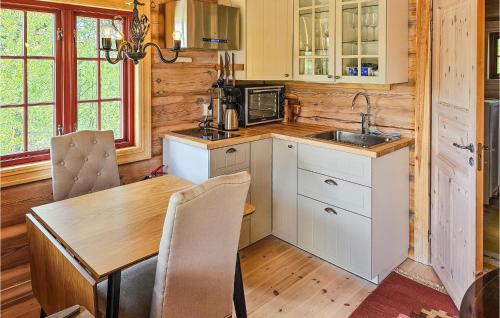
(227, 67)
(233, 71)
(220, 81)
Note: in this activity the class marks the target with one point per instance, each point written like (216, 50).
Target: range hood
(203, 25)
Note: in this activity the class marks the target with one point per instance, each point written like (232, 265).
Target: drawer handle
(331, 182)
(290, 146)
(231, 150)
(330, 211)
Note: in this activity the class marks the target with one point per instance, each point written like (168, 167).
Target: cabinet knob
(331, 182)
(330, 76)
(287, 75)
(337, 77)
(230, 150)
(330, 211)
(290, 146)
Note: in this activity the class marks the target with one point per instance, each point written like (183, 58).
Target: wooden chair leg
(42, 313)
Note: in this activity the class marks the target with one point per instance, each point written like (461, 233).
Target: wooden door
(285, 190)
(269, 39)
(453, 162)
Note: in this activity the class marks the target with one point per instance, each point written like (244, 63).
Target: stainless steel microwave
(260, 104)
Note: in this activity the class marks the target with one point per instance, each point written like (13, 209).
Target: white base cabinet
(348, 209)
(198, 165)
(353, 211)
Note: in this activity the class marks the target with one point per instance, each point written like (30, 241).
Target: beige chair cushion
(135, 290)
(83, 162)
(197, 258)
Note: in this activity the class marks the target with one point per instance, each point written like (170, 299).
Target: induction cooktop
(207, 133)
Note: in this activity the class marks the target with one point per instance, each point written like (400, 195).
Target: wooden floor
(283, 281)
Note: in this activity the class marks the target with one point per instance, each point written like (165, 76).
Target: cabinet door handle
(290, 146)
(330, 211)
(330, 76)
(287, 75)
(337, 77)
(231, 150)
(331, 182)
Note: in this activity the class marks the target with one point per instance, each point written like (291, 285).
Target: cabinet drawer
(229, 159)
(338, 164)
(343, 194)
(336, 235)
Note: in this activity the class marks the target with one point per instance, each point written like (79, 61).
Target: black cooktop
(207, 133)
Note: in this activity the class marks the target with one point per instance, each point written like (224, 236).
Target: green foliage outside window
(40, 79)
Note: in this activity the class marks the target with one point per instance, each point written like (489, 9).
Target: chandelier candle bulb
(177, 40)
(107, 32)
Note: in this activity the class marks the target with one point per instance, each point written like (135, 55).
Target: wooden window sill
(36, 171)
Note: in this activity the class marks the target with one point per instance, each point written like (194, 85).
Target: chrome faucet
(365, 117)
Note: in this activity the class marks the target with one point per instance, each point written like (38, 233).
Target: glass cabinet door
(313, 58)
(361, 30)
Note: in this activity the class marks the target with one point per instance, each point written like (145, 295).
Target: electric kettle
(231, 117)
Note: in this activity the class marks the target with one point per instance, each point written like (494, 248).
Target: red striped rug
(400, 295)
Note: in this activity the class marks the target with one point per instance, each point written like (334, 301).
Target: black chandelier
(134, 49)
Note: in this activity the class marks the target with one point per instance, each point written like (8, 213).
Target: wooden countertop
(296, 132)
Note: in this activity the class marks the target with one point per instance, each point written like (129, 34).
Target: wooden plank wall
(178, 92)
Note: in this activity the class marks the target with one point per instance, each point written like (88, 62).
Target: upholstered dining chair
(193, 274)
(83, 162)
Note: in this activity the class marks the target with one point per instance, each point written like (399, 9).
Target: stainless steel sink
(350, 138)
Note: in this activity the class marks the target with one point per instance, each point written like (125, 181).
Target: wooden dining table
(79, 242)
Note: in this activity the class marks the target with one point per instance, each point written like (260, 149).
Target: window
(494, 60)
(54, 79)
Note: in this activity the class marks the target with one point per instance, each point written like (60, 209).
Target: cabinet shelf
(360, 42)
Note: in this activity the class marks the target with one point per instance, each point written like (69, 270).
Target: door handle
(330, 211)
(470, 147)
(331, 182)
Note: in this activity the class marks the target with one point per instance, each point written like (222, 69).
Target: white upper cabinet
(351, 41)
(269, 39)
(314, 31)
(371, 41)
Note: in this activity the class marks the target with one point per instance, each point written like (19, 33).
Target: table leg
(239, 292)
(113, 297)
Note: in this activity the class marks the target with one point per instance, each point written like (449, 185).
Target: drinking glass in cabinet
(350, 29)
(370, 29)
(322, 31)
(321, 66)
(306, 66)
(305, 32)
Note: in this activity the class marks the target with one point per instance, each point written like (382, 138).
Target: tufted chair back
(195, 269)
(83, 162)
